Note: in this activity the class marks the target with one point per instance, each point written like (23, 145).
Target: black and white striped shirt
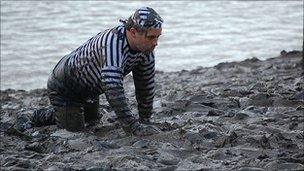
(100, 64)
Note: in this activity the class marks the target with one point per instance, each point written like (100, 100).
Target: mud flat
(234, 116)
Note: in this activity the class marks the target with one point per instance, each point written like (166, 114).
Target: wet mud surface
(235, 116)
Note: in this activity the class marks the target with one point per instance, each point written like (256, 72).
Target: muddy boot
(24, 122)
(44, 117)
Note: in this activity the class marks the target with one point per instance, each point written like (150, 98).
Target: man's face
(147, 41)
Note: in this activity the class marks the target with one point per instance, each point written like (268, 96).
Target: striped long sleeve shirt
(100, 64)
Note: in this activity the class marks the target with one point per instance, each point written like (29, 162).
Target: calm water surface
(35, 35)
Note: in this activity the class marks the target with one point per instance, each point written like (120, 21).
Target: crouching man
(99, 66)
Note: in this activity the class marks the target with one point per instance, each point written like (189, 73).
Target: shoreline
(245, 115)
(182, 70)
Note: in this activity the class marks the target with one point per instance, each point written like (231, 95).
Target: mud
(234, 116)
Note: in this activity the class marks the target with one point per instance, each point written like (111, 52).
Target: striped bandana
(146, 18)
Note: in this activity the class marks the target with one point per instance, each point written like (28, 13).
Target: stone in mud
(245, 102)
(259, 86)
(281, 102)
(235, 92)
(168, 168)
(79, 144)
(99, 169)
(293, 125)
(276, 165)
(36, 146)
(12, 131)
(62, 133)
(194, 137)
(141, 144)
(106, 145)
(23, 164)
(222, 103)
(248, 168)
(4, 126)
(241, 115)
(199, 98)
(300, 108)
(167, 159)
(177, 95)
(10, 106)
(219, 154)
(53, 168)
(264, 142)
(210, 134)
(167, 111)
(187, 164)
(52, 157)
(215, 112)
(124, 162)
(262, 99)
(229, 140)
(9, 161)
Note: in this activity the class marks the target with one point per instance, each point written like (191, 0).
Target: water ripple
(36, 34)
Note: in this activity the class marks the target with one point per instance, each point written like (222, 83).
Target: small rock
(52, 168)
(240, 116)
(4, 126)
(245, 102)
(250, 169)
(62, 133)
(264, 142)
(215, 113)
(141, 144)
(194, 138)
(167, 159)
(211, 135)
(36, 146)
(79, 144)
(262, 99)
(284, 166)
(292, 125)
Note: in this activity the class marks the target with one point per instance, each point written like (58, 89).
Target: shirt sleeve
(144, 83)
(112, 82)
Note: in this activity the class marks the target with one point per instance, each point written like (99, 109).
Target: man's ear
(133, 31)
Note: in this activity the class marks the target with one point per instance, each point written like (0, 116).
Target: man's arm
(112, 80)
(145, 86)
(112, 83)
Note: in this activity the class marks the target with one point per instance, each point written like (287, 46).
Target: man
(98, 66)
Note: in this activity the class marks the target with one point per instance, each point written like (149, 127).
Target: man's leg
(91, 111)
(40, 117)
(70, 117)
(68, 114)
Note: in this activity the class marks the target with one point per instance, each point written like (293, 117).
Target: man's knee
(91, 110)
(70, 118)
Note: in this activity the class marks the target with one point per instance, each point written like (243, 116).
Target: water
(35, 35)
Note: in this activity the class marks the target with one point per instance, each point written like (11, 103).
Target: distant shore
(244, 115)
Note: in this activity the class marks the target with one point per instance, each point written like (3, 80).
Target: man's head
(143, 29)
